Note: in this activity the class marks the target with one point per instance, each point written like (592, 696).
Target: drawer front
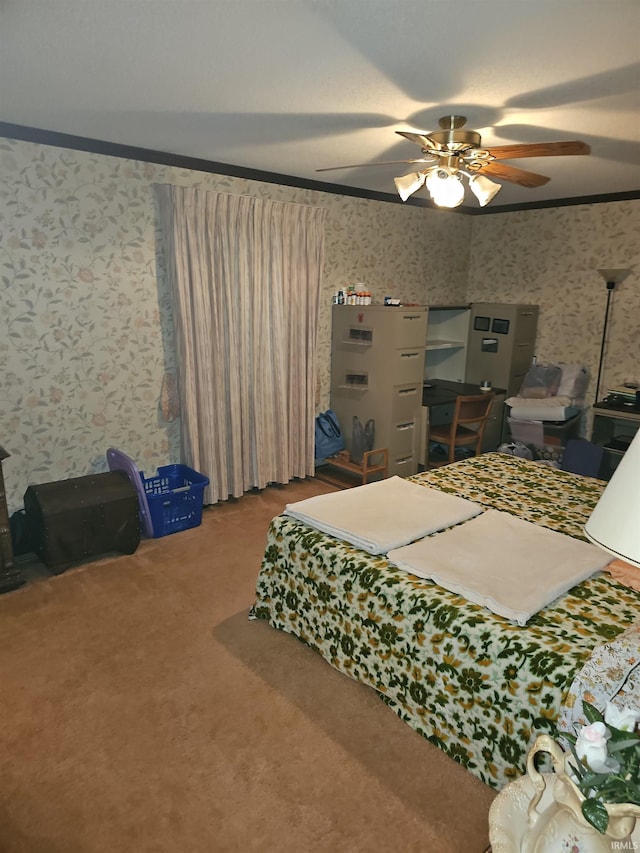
(403, 465)
(402, 440)
(405, 401)
(375, 325)
(408, 365)
(409, 328)
(439, 415)
(523, 352)
(527, 323)
(390, 364)
(350, 378)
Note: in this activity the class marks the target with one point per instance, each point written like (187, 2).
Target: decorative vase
(561, 826)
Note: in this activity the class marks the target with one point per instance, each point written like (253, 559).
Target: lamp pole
(612, 278)
(611, 286)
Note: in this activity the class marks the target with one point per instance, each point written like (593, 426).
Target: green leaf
(616, 745)
(592, 779)
(579, 769)
(634, 793)
(592, 714)
(596, 814)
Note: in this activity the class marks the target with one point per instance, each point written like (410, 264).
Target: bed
(473, 683)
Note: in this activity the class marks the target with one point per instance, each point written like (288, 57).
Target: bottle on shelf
(352, 297)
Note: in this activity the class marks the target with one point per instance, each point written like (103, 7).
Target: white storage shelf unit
(446, 346)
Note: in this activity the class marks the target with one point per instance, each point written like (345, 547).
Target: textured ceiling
(291, 86)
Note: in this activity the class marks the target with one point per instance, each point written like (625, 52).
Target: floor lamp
(612, 278)
(613, 524)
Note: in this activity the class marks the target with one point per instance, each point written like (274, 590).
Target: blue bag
(329, 439)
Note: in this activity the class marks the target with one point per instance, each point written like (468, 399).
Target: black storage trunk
(76, 519)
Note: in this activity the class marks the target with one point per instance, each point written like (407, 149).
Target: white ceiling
(290, 86)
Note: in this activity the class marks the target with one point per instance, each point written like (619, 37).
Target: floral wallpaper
(551, 258)
(86, 333)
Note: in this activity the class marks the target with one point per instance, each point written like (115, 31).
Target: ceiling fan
(450, 153)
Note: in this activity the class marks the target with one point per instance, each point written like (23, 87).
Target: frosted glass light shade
(483, 188)
(614, 524)
(408, 184)
(445, 189)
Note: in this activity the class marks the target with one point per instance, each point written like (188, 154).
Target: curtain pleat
(245, 276)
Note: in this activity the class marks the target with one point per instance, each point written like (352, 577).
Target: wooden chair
(466, 429)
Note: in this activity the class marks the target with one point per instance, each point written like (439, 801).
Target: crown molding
(148, 155)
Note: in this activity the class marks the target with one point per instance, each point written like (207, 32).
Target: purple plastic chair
(119, 461)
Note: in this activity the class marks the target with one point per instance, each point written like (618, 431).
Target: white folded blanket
(543, 409)
(539, 402)
(383, 515)
(543, 413)
(511, 566)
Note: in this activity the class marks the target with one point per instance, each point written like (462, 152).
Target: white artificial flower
(591, 745)
(624, 719)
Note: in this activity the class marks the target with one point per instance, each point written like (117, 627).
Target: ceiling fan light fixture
(446, 189)
(452, 152)
(408, 184)
(483, 188)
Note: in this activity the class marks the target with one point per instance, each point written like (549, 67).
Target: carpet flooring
(142, 712)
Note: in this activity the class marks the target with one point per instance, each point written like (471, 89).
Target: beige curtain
(245, 277)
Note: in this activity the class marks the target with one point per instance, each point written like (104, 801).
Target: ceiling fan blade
(516, 176)
(418, 138)
(366, 165)
(539, 149)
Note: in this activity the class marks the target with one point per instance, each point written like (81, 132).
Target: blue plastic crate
(175, 497)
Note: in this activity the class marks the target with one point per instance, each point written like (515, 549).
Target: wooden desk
(441, 392)
(438, 402)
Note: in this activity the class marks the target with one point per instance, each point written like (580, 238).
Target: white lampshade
(408, 184)
(614, 276)
(483, 188)
(615, 522)
(446, 190)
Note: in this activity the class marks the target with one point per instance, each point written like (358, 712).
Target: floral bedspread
(476, 685)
